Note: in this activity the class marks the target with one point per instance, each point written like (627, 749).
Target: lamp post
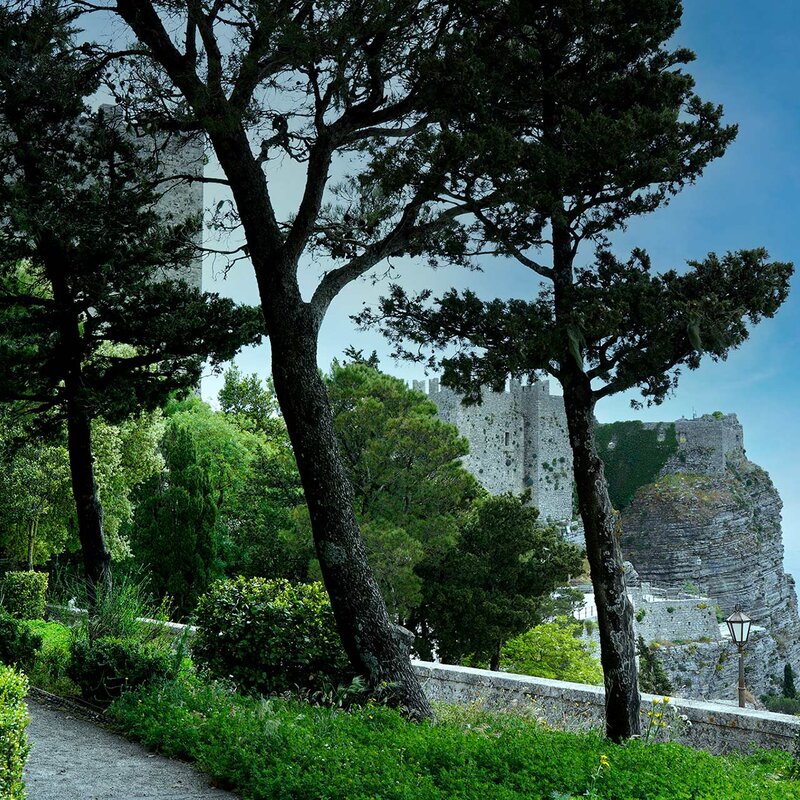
(739, 626)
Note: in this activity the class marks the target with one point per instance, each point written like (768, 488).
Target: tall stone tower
(517, 440)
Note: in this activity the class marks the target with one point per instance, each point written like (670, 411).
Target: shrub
(269, 636)
(551, 650)
(50, 670)
(18, 643)
(114, 648)
(780, 704)
(652, 675)
(24, 594)
(13, 741)
(105, 668)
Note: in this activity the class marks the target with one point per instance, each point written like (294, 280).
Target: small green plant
(104, 668)
(552, 650)
(24, 594)
(14, 746)
(269, 636)
(18, 643)
(788, 688)
(652, 676)
(120, 644)
(641, 614)
(670, 609)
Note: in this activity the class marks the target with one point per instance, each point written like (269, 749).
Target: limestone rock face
(720, 531)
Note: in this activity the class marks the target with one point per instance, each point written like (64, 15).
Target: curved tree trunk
(96, 558)
(614, 609)
(375, 646)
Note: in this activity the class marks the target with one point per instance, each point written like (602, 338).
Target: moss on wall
(633, 456)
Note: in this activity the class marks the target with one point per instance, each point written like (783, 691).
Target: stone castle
(518, 441)
(705, 525)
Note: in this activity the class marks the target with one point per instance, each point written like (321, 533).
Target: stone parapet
(716, 727)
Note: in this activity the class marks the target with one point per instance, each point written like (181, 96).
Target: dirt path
(74, 759)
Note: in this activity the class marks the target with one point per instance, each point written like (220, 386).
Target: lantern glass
(739, 625)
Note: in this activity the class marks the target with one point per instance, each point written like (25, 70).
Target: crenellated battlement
(518, 441)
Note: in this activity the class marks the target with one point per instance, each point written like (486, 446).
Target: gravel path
(74, 759)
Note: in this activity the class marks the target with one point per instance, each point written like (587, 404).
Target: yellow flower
(604, 762)
(666, 699)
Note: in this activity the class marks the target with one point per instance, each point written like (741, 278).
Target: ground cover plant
(279, 749)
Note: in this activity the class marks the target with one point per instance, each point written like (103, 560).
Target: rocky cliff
(712, 519)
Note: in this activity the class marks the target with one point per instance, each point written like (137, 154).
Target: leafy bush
(50, 669)
(269, 636)
(287, 749)
(780, 704)
(552, 650)
(18, 643)
(13, 741)
(115, 648)
(106, 667)
(24, 594)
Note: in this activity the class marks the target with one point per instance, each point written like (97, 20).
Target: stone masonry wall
(716, 727)
(518, 440)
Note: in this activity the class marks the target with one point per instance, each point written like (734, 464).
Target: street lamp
(739, 626)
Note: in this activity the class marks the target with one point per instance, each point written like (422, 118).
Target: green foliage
(174, 531)
(114, 648)
(254, 483)
(411, 490)
(14, 747)
(552, 650)
(106, 667)
(250, 402)
(632, 456)
(36, 504)
(269, 636)
(495, 580)
(19, 644)
(50, 667)
(24, 594)
(780, 704)
(267, 749)
(788, 688)
(652, 677)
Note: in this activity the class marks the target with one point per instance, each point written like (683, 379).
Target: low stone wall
(715, 727)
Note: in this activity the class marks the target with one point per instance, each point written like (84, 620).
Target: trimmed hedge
(108, 666)
(24, 594)
(269, 636)
(14, 745)
(19, 645)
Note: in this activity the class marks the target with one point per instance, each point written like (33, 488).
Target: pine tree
(174, 530)
(652, 676)
(788, 682)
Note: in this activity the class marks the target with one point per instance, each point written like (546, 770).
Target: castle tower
(518, 441)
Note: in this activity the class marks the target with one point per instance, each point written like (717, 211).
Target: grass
(50, 669)
(282, 749)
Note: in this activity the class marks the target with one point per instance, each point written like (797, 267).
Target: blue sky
(749, 61)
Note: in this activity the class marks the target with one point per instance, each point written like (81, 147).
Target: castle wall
(518, 441)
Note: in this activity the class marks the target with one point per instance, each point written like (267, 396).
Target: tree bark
(614, 609)
(96, 558)
(371, 641)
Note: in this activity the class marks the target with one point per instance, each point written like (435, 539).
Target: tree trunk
(96, 559)
(31, 537)
(494, 664)
(614, 609)
(372, 643)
